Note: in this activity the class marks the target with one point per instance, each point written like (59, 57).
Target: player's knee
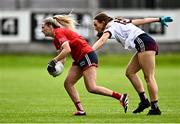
(148, 78)
(91, 89)
(67, 84)
(128, 74)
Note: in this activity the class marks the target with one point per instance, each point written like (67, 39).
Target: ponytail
(64, 21)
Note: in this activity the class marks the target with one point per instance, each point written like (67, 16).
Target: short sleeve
(109, 28)
(60, 39)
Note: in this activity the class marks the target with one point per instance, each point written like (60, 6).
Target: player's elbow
(68, 50)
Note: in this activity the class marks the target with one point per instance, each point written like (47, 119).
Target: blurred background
(20, 22)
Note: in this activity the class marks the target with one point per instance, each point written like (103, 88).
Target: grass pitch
(29, 95)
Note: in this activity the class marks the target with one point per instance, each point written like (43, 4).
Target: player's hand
(165, 19)
(51, 66)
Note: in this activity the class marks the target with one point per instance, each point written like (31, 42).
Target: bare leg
(147, 62)
(90, 82)
(132, 68)
(73, 76)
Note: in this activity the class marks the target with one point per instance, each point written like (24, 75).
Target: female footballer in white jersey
(130, 36)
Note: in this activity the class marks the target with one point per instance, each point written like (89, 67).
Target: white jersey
(124, 32)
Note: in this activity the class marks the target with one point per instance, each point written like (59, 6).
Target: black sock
(142, 96)
(154, 104)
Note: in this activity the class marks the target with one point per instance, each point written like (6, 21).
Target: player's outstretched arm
(101, 41)
(163, 20)
(144, 21)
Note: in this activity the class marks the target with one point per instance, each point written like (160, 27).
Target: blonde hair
(65, 21)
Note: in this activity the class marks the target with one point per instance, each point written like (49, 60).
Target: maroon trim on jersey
(122, 21)
(110, 34)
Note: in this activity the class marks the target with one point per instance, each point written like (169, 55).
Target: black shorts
(90, 59)
(145, 43)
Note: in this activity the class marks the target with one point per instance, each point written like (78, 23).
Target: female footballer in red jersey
(130, 36)
(66, 40)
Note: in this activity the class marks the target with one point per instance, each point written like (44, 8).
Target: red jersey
(79, 46)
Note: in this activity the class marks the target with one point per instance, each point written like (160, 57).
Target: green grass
(29, 95)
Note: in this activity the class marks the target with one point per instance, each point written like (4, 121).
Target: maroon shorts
(90, 59)
(145, 43)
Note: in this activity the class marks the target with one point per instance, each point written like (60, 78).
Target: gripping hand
(51, 66)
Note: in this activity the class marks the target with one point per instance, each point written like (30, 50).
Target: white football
(59, 69)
